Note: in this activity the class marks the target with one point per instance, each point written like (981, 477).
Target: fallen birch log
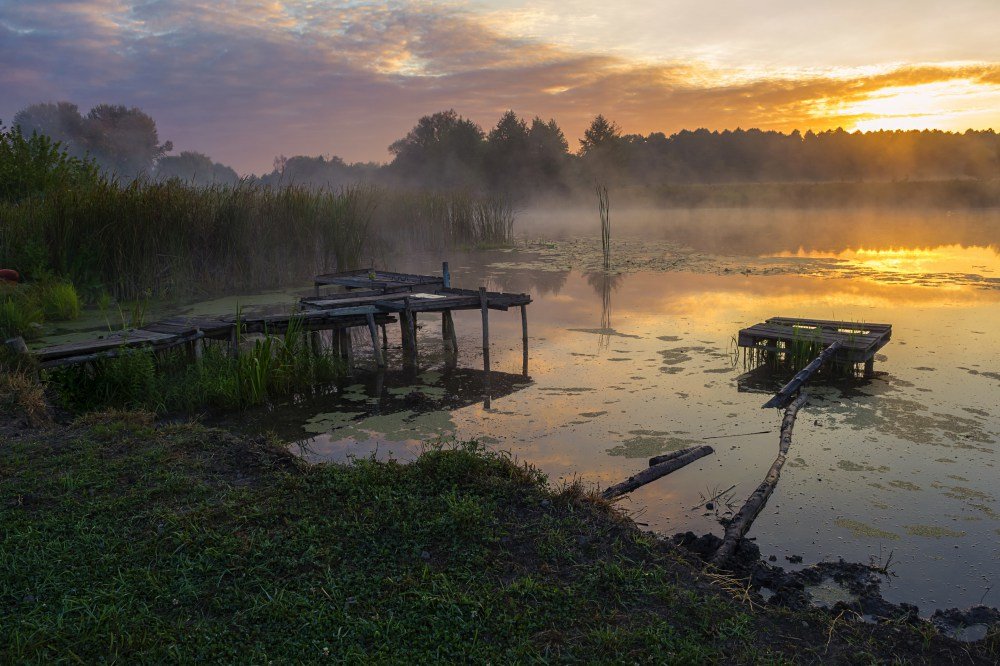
(741, 522)
(653, 472)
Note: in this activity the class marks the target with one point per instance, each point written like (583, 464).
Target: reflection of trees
(604, 283)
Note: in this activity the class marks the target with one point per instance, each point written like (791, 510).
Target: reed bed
(445, 219)
(163, 238)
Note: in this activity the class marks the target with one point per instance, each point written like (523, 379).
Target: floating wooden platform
(858, 341)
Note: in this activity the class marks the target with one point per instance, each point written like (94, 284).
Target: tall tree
(443, 149)
(124, 139)
(507, 153)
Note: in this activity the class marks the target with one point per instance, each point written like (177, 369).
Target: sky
(247, 81)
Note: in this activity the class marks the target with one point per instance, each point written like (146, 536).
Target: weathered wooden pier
(366, 299)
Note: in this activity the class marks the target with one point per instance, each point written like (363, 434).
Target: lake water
(640, 362)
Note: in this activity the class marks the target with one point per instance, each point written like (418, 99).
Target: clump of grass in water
(19, 313)
(59, 301)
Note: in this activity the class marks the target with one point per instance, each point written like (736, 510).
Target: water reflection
(905, 461)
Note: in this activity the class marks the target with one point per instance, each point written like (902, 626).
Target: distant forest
(523, 158)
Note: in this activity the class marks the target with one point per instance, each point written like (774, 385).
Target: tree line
(520, 157)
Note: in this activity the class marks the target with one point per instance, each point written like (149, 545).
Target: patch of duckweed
(668, 338)
(932, 531)
(851, 466)
(565, 390)
(646, 443)
(675, 356)
(963, 493)
(430, 377)
(592, 415)
(330, 421)
(429, 391)
(859, 529)
(905, 485)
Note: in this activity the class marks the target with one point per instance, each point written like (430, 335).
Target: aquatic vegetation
(19, 313)
(169, 382)
(165, 238)
(59, 301)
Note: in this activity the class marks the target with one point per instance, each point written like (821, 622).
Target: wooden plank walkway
(858, 341)
(372, 299)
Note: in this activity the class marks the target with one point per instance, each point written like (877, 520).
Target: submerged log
(741, 522)
(674, 462)
(800, 378)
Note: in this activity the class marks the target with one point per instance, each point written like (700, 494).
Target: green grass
(122, 541)
(132, 542)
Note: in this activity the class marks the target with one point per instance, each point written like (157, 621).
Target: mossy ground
(127, 541)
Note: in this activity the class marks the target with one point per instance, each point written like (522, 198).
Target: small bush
(59, 301)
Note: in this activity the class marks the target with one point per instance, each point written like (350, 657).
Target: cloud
(247, 81)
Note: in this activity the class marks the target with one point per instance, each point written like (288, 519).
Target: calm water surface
(641, 362)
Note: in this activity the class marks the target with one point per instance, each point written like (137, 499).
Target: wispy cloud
(247, 81)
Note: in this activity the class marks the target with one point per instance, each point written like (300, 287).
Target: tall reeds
(158, 238)
(604, 208)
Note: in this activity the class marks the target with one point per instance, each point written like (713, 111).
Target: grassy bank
(128, 541)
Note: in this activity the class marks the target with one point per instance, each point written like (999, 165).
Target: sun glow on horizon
(954, 105)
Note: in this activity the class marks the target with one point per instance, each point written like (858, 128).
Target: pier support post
(385, 339)
(407, 333)
(234, 340)
(870, 368)
(345, 347)
(484, 306)
(524, 340)
(448, 332)
(316, 342)
(445, 275)
(376, 350)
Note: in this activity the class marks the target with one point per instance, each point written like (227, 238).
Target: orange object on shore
(9, 275)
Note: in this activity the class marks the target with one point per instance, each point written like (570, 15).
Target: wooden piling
(870, 368)
(385, 338)
(376, 351)
(484, 306)
(524, 340)
(406, 333)
(346, 347)
(445, 275)
(448, 332)
(234, 340)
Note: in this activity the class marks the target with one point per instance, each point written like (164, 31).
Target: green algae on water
(859, 529)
